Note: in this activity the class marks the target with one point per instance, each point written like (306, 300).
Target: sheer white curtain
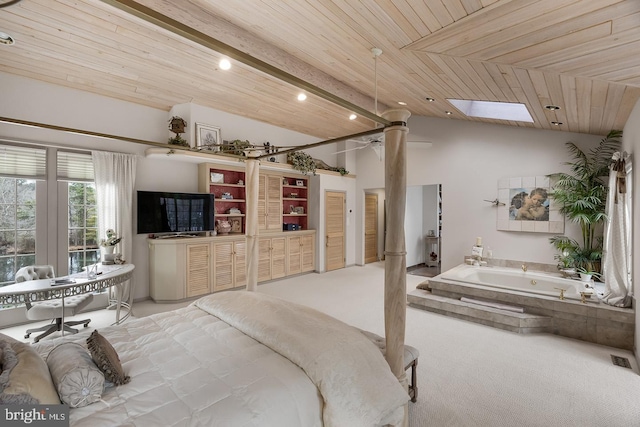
(617, 237)
(115, 176)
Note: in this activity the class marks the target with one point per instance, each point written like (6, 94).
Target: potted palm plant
(581, 195)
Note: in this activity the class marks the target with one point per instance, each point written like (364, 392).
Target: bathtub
(512, 279)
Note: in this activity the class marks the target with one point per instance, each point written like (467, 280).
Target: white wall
(430, 210)
(413, 215)
(630, 143)
(468, 159)
(35, 101)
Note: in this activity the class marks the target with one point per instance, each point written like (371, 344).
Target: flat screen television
(161, 212)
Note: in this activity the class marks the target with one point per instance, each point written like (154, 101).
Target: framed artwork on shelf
(298, 210)
(217, 178)
(236, 224)
(208, 137)
(299, 183)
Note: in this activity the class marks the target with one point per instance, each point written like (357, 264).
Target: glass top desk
(74, 284)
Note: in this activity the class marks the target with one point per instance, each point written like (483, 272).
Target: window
(83, 222)
(20, 168)
(76, 168)
(17, 226)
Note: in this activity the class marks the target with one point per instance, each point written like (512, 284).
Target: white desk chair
(52, 309)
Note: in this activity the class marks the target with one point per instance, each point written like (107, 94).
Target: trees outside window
(17, 226)
(84, 246)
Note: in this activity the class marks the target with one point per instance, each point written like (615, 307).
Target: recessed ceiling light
(557, 123)
(552, 107)
(430, 99)
(224, 64)
(493, 110)
(6, 39)
(352, 117)
(302, 96)
(448, 113)
(402, 103)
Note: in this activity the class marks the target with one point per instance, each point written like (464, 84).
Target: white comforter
(355, 381)
(189, 368)
(226, 360)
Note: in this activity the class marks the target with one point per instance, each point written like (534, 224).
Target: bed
(243, 359)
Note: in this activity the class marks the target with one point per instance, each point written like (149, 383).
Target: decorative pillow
(106, 358)
(78, 380)
(25, 377)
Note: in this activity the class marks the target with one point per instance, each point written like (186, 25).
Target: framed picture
(208, 137)
(217, 178)
(528, 206)
(299, 183)
(236, 224)
(298, 210)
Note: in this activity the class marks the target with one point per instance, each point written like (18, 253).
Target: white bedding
(355, 381)
(190, 368)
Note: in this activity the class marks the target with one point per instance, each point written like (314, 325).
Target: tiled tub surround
(594, 322)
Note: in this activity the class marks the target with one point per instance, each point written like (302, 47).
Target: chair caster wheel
(86, 325)
(27, 336)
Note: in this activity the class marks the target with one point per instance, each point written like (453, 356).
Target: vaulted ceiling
(580, 55)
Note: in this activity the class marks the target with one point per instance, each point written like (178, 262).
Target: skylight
(493, 110)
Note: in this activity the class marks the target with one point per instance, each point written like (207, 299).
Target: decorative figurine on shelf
(177, 125)
(108, 246)
(223, 226)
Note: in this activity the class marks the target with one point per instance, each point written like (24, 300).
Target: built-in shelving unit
(294, 203)
(228, 187)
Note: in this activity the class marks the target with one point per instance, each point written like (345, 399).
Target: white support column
(251, 219)
(395, 268)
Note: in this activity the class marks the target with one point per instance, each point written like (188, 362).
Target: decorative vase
(584, 277)
(108, 254)
(223, 226)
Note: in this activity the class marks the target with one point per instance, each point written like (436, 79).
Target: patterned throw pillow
(77, 378)
(105, 356)
(25, 377)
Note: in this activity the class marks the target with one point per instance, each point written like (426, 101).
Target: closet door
(370, 228)
(335, 222)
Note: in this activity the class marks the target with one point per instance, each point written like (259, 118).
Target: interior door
(335, 206)
(370, 228)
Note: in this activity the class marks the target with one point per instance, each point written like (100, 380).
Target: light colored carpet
(469, 374)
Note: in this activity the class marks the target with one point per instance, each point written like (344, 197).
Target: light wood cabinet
(269, 202)
(179, 268)
(272, 258)
(184, 268)
(300, 253)
(198, 269)
(229, 264)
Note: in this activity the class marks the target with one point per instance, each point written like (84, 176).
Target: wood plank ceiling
(581, 55)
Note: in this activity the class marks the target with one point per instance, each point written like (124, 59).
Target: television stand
(176, 236)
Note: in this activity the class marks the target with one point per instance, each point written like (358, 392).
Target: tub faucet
(524, 267)
(562, 291)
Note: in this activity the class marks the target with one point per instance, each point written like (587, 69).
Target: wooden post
(395, 267)
(251, 219)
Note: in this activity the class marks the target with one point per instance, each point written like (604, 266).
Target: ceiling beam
(180, 29)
